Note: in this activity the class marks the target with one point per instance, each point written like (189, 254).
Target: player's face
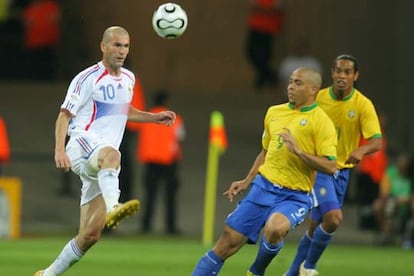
(300, 91)
(344, 76)
(115, 51)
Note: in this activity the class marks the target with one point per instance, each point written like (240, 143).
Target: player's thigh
(89, 153)
(92, 216)
(324, 189)
(329, 193)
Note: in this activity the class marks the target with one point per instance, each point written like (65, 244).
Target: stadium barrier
(10, 207)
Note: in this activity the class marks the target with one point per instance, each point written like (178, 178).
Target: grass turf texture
(159, 256)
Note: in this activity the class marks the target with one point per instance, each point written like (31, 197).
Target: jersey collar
(333, 96)
(304, 108)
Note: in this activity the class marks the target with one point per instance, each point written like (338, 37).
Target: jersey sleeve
(266, 133)
(138, 102)
(369, 121)
(326, 138)
(78, 92)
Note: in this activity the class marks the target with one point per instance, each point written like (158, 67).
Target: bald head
(115, 48)
(311, 76)
(111, 31)
(304, 86)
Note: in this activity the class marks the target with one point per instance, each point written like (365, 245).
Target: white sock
(69, 256)
(109, 184)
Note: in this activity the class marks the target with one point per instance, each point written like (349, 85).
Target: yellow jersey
(354, 117)
(314, 133)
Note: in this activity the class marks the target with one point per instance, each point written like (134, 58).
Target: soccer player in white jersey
(94, 115)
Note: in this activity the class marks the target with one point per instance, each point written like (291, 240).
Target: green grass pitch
(160, 256)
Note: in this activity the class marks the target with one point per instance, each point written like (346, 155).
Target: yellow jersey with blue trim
(314, 133)
(354, 117)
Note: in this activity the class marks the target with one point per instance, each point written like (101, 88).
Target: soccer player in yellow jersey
(354, 117)
(298, 139)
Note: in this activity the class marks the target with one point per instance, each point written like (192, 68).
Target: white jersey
(99, 103)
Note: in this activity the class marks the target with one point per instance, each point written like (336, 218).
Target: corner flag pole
(217, 146)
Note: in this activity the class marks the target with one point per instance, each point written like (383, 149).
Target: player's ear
(356, 76)
(315, 90)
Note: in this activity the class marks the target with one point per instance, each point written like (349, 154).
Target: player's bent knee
(332, 220)
(276, 228)
(109, 158)
(275, 235)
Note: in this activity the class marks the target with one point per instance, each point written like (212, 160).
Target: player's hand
(165, 117)
(290, 141)
(237, 187)
(352, 160)
(62, 161)
(355, 157)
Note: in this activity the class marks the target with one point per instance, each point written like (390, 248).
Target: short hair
(313, 76)
(111, 30)
(347, 57)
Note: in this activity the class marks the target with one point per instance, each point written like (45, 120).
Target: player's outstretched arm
(165, 117)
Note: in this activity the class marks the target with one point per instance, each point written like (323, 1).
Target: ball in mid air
(169, 20)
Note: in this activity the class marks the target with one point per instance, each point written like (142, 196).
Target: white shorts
(83, 153)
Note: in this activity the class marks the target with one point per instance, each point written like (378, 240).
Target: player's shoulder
(323, 93)
(323, 120)
(128, 73)
(277, 107)
(362, 102)
(90, 72)
(361, 96)
(320, 112)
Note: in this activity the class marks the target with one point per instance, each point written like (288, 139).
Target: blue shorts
(263, 200)
(329, 192)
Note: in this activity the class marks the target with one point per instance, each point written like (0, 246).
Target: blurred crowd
(30, 31)
(385, 194)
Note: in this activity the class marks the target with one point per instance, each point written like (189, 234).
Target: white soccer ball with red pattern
(169, 21)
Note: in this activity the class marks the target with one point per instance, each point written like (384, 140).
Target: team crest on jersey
(303, 122)
(351, 114)
(322, 191)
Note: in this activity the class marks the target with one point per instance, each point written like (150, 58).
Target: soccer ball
(169, 21)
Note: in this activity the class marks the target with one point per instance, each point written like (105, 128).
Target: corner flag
(217, 146)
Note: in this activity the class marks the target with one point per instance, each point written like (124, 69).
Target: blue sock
(265, 255)
(209, 264)
(320, 241)
(301, 254)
